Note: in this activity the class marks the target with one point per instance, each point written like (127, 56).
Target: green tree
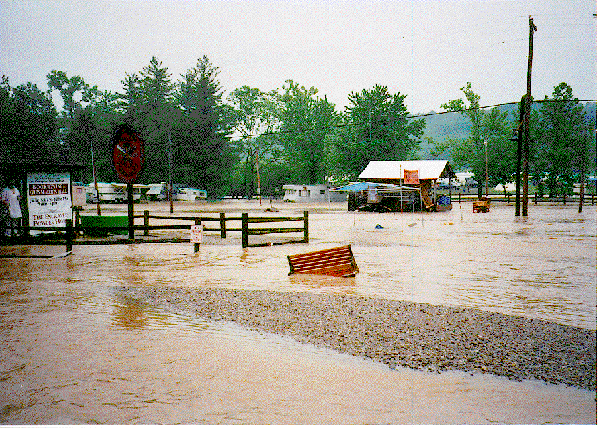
(96, 124)
(489, 137)
(149, 103)
(203, 154)
(28, 124)
(565, 140)
(255, 115)
(306, 120)
(73, 122)
(376, 127)
(501, 159)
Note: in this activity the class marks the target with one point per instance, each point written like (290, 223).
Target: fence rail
(587, 199)
(222, 221)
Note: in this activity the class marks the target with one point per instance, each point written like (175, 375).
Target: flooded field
(75, 351)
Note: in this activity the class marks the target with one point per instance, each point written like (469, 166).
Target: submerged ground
(154, 333)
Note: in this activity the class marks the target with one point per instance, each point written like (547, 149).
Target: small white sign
(78, 196)
(196, 233)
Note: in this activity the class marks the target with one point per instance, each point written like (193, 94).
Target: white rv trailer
(113, 192)
(190, 194)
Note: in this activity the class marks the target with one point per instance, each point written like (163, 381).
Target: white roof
(386, 170)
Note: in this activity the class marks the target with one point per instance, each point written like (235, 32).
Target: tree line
(251, 139)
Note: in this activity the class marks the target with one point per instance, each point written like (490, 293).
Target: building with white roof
(423, 175)
(394, 171)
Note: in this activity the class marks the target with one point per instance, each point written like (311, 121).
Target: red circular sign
(128, 154)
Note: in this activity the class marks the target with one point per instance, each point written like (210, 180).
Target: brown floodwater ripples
(76, 351)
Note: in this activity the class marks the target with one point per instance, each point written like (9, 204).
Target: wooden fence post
(223, 226)
(306, 226)
(77, 217)
(244, 230)
(146, 222)
(69, 234)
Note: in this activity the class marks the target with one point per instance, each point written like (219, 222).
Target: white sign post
(49, 199)
(196, 233)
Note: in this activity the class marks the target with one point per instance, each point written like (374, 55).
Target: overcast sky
(425, 49)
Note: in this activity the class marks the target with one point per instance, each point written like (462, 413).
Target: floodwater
(74, 351)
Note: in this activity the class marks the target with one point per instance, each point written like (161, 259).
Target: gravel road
(399, 333)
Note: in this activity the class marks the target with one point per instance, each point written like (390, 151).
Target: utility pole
(532, 28)
(486, 168)
(170, 174)
(519, 158)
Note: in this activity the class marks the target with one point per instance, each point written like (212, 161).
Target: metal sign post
(128, 159)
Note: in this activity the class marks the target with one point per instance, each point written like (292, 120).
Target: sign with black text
(49, 199)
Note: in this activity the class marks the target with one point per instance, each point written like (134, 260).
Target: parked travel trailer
(113, 192)
(189, 194)
(305, 193)
(158, 191)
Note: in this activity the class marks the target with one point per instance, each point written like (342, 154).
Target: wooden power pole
(527, 114)
(519, 157)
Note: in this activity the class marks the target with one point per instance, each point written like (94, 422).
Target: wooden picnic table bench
(482, 205)
(338, 261)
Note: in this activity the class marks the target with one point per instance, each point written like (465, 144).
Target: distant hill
(440, 127)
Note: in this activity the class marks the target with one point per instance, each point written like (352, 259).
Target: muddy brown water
(74, 351)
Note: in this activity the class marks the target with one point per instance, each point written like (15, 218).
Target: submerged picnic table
(338, 261)
(482, 205)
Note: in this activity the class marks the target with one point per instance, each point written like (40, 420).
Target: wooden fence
(221, 225)
(587, 199)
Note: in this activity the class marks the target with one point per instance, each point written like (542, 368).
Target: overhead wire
(421, 115)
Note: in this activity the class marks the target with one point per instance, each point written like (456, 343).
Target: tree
(203, 153)
(149, 102)
(29, 129)
(306, 120)
(565, 140)
(376, 127)
(497, 132)
(255, 115)
(74, 124)
(489, 132)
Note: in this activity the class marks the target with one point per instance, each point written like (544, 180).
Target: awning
(356, 187)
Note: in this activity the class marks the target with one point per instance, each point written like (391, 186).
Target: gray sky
(425, 49)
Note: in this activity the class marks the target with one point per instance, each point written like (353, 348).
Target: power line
(420, 115)
(496, 105)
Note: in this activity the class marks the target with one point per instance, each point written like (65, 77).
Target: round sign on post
(128, 153)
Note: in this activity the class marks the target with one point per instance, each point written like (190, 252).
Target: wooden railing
(535, 198)
(222, 225)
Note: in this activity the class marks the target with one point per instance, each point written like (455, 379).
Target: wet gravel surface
(399, 333)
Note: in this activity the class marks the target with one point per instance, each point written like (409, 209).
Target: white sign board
(49, 199)
(78, 196)
(196, 232)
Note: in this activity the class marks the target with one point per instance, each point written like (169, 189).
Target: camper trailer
(305, 193)
(107, 192)
(189, 194)
(158, 192)
(113, 192)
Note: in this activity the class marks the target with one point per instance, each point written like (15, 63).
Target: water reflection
(130, 314)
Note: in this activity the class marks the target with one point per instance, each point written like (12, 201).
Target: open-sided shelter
(416, 175)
